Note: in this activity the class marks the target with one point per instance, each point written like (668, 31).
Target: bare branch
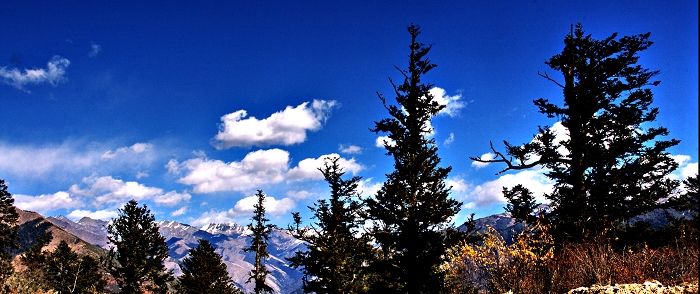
(546, 76)
(508, 161)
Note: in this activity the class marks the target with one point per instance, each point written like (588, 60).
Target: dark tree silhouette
(140, 251)
(336, 253)
(261, 232)
(411, 213)
(204, 272)
(8, 231)
(610, 165)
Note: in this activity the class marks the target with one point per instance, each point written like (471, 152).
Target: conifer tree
(260, 233)
(336, 254)
(140, 251)
(611, 165)
(8, 231)
(412, 211)
(204, 272)
(67, 272)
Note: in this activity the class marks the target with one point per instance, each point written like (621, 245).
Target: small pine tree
(261, 232)
(204, 272)
(8, 231)
(336, 254)
(140, 251)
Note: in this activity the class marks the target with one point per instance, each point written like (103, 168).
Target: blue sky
(190, 108)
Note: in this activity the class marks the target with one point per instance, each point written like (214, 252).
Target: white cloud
(74, 158)
(179, 212)
(351, 149)
(44, 203)
(95, 50)
(38, 161)
(285, 127)
(458, 185)
(256, 169)
(137, 148)
(244, 207)
(449, 139)
(452, 103)
(141, 175)
(298, 195)
(689, 170)
(489, 193)
(682, 160)
(173, 166)
(212, 217)
(485, 156)
(53, 74)
(368, 188)
(100, 214)
(384, 140)
(171, 198)
(110, 191)
(308, 168)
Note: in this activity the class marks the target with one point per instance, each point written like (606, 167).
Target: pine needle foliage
(411, 212)
(261, 230)
(204, 272)
(140, 251)
(337, 252)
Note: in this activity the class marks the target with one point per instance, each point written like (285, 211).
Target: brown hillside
(32, 225)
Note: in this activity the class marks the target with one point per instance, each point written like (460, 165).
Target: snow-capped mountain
(229, 240)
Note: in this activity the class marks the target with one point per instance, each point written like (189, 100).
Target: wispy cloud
(350, 149)
(54, 73)
(73, 158)
(449, 140)
(95, 50)
(285, 127)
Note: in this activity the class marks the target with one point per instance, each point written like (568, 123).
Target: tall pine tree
(336, 254)
(204, 272)
(412, 211)
(260, 233)
(8, 231)
(611, 165)
(140, 251)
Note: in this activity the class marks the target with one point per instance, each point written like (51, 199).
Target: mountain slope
(32, 225)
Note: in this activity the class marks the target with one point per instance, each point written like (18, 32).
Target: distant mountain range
(89, 236)
(229, 239)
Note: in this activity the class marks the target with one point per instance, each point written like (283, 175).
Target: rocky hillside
(32, 225)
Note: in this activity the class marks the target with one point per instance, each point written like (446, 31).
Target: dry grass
(493, 267)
